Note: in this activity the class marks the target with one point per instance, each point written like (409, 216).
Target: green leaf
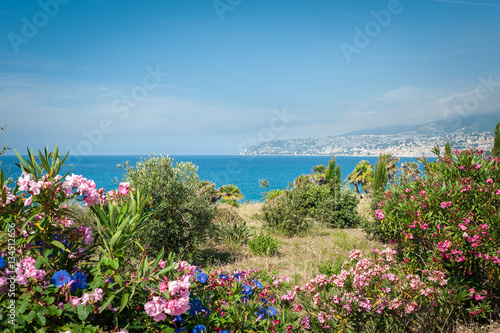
(40, 319)
(124, 302)
(82, 312)
(115, 239)
(114, 264)
(60, 245)
(105, 304)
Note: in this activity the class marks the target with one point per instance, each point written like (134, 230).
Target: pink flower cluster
(95, 296)
(370, 285)
(26, 269)
(178, 290)
(83, 187)
(9, 198)
(86, 234)
(379, 215)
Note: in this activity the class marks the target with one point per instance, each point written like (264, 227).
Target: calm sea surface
(242, 171)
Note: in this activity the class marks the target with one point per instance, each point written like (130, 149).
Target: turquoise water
(242, 171)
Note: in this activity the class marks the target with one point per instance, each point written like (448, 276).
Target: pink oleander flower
(28, 202)
(177, 307)
(162, 263)
(462, 227)
(408, 190)
(154, 308)
(379, 215)
(424, 226)
(123, 188)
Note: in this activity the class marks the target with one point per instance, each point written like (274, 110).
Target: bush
(181, 211)
(230, 229)
(339, 213)
(451, 219)
(263, 245)
(291, 211)
(282, 214)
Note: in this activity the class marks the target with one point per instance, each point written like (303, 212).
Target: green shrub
(182, 214)
(330, 268)
(230, 229)
(451, 219)
(283, 214)
(291, 211)
(263, 245)
(339, 213)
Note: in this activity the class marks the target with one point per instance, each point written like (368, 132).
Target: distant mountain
(401, 140)
(477, 123)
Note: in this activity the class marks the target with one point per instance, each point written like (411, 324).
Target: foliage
(230, 229)
(263, 245)
(230, 194)
(376, 293)
(495, 151)
(333, 176)
(379, 181)
(450, 218)
(181, 206)
(361, 176)
(283, 213)
(242, 301)
(291, 211)
(66, 280)
(340, 212)
(447, 150)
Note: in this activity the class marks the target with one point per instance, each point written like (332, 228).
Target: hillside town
(407, 144)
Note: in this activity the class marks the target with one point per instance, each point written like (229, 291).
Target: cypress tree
(447, 150)
(333, 177)
(495, 151)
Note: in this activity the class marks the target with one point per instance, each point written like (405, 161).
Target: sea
(246, 172)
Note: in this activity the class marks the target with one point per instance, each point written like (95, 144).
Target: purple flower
(247, 290)
(61, 278)
(202, 277)
(271, 311)
(258, 284)
(199, 329)
(80, 281)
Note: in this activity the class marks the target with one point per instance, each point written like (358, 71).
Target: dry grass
(297, 257)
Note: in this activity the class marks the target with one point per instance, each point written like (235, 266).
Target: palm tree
(318, 174)
(410, 170)
(390, 165)
(361, 176)
(230, 193)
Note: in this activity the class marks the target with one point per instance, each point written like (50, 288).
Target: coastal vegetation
(159, 254)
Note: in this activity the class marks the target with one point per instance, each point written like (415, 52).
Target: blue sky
(213, 77)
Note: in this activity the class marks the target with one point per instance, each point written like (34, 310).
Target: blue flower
(223, 331)
(247, 290)
(80, 281)
(258, 284)
(261, 313)
(2, 262)
(199, 329)
(60, 278)
(202, 277)
(40, 243)
(244, 299)
(195, 303)
(271, 311)
(179, 319)
(180, 330)
(237, 276)
(223, 277)
(263, 300)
